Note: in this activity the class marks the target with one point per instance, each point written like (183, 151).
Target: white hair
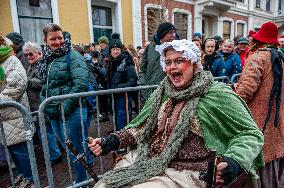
(34, 47)
(229, 41)
(190, 51)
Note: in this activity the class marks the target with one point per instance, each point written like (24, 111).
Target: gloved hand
(104, 145)
(232, 171)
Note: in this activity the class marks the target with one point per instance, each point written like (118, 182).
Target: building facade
(138, 20)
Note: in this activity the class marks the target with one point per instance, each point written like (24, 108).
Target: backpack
(90, 99)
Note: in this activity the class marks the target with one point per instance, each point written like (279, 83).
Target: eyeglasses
(29, 54)
(177, 61)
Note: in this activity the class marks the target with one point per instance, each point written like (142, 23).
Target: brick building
(137, 20)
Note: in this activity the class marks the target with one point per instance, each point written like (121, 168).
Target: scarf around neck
(50, 55)
(145, 167)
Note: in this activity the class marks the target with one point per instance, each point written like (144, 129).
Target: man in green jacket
(185, 117)
(151, 72)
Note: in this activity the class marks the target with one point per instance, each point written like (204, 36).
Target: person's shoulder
(218, 92)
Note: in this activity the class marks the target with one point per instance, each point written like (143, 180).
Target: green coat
(60, 81)
(226, 124)
(151, 72)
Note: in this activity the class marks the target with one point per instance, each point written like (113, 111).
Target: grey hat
(16, 38)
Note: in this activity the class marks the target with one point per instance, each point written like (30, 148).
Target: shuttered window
(181, 24)
(226, 30)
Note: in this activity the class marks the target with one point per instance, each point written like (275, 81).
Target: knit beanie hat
(164, 28)
(16, 38)
(196, 34)
(218, 39)
(243, 40)
(103, 39)
(115, 41)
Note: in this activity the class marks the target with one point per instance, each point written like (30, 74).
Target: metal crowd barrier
(224, 79)
(235, 78)
(27, 119)
(61, 98)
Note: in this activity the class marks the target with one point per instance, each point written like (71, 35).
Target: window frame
(245, 27)
(257, 4)
(189, 20)
(16, 17)
(154, 6)
(232, 29)
(268, 5)
(110, 27)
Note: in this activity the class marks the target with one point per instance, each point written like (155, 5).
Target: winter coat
(13, 88)
(20, 55)
(34, 87)
(217, 67)
(61, 79)
(97, 74)
(121, 73)
(254, 87)
(232, 64)
(151, 72)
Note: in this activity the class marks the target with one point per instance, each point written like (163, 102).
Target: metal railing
(27, 120)
(235, 78)
(224, 79)
(61, 99)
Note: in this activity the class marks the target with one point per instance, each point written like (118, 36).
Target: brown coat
(254, 87)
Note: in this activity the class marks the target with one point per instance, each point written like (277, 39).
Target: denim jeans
(20, 156)
(54, 151)
(2, 153)
(74, 133)
(120, 110)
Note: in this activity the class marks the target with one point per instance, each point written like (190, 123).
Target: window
(241, 1)
(267, 5)
(257, 3)
(33, 15)
(226, 30)
(102, 22)
(240, 29)
(181, 24)
(279, 7)
(154, 18)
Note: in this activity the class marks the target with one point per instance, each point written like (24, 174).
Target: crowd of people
(182, 120)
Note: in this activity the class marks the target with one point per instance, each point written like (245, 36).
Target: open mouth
(176, 76)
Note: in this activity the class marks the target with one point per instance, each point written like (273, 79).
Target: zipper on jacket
(47, 80)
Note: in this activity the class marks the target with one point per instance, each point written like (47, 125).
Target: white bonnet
(190, 51)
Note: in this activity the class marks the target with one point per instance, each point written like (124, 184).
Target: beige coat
(254, 87)
(13, 88)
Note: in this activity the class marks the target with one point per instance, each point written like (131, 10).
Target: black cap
(164, 28)
(115, 41)
(16, 38)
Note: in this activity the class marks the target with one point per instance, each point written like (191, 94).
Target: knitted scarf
(49, 54)
(144, 167)
(5, 53)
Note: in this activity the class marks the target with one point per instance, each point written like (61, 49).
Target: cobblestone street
(60, 171)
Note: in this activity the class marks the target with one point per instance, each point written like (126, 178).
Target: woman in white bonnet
(186, 116)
